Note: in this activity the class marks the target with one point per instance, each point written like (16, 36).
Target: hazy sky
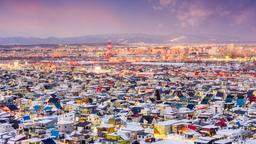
(64, 18)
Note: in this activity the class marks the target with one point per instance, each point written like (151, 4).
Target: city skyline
(62, 18)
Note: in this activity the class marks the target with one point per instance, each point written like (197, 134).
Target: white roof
(45, 121)
(133, 127)
(203, 139)
(229, 132)
(169, 122)
(223, 141)
(32, 140)
(171, 142)
(17, 137)
(210, 126)
(250, 141)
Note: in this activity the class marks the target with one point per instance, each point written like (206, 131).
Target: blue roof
(48, 141)
(240, 102)
(25, 118)
(47, 108)
(55, 133)
(36, 107)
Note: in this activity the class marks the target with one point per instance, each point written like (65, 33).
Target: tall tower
(108, 53)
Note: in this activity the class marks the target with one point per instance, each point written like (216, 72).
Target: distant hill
(125, 38)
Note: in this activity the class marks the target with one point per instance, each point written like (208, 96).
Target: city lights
(128, 72)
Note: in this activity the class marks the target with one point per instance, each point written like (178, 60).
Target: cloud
(167, 2)
(244, 16)
(163, 4)
(160, 25)
(65, 20)
(157, 8)
(193, 15)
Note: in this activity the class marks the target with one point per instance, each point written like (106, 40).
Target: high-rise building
(108, 53)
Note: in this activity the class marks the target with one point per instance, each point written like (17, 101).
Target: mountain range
(126, 38)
